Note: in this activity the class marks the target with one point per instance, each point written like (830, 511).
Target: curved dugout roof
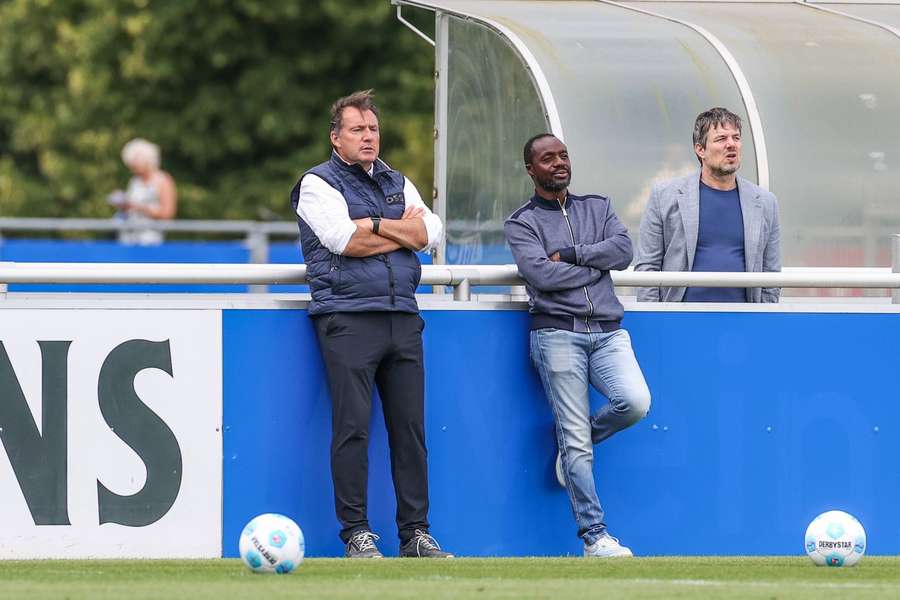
(818, 87)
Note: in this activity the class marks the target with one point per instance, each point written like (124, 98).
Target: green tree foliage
(235, 92)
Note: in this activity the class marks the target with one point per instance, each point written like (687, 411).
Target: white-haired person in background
(151, 194)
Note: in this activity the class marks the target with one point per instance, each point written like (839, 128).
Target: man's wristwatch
(376, 223)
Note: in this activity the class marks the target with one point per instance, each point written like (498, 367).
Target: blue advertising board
(759, 422)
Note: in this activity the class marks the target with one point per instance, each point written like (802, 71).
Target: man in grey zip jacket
(565, 245)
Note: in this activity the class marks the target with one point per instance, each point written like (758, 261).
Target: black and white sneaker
(607, 546)
(422, 545)
(362, 545)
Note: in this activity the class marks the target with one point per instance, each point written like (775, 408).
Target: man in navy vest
(712, 220)
(361, 224)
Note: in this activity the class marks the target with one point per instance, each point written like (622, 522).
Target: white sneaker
(607, 546)
(560, 475)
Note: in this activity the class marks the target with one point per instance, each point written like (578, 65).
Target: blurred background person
(151, 194)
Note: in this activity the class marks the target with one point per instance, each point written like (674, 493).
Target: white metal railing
(181, 225)
(461, 277)
(256, 234)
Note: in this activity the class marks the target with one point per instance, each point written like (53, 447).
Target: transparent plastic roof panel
(622, 82)
(828, 92)
(884, 13)
(492, 107)
(626, 88)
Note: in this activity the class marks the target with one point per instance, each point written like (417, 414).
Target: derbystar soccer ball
(272, 543)
(835, 539)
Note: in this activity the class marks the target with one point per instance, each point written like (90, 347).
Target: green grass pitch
(488, 578)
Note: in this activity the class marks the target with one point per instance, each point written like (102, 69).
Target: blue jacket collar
(378, 167)
(550, 204)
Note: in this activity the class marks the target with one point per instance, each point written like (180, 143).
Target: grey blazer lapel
(751, 209)
(689, 208)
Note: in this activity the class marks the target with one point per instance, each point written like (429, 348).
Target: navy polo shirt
(720, 243)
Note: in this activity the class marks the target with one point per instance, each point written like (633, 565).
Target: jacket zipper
(390, 269)
(387, 260)
(587, 321)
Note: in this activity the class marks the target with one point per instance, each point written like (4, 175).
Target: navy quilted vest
(384, 282)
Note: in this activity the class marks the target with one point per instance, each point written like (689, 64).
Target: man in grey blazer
(712, 220)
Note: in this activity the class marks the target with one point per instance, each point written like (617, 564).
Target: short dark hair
(712, 118)
(527, 152)
(361, 100)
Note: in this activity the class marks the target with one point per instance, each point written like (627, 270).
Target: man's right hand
(413, 212)
(367, 243)
(364, 223)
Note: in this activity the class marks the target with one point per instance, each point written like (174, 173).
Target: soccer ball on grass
(835, 539)
(272, 543)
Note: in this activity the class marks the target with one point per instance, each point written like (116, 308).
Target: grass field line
(830, 585)
(640, 581)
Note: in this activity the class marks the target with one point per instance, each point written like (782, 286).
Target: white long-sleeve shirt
(324, 209)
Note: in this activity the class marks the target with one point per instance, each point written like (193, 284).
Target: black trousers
(385, 348)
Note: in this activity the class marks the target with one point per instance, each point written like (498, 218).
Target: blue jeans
(568, 362)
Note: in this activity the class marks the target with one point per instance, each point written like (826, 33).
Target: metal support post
(895, 265)
(462, 291)
(441, 96)
(3, 285)
(258, 242)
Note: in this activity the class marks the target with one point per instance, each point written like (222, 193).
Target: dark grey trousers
(385, 348)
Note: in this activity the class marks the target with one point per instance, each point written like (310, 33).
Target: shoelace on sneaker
(364, 540)
(608, 540)
(423, 540)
